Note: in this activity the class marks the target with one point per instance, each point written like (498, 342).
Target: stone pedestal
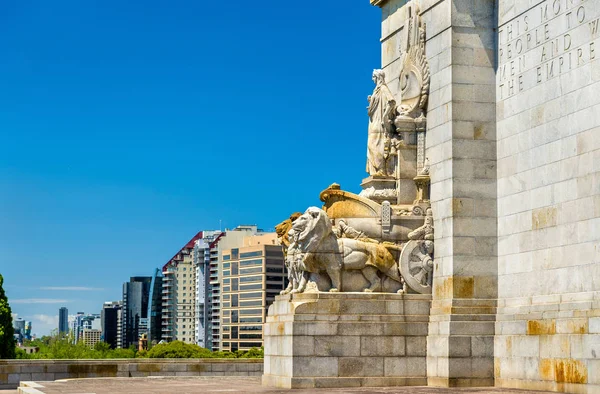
(346, 340)
(379, 188)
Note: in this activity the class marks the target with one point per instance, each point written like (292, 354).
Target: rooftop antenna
(220, 229)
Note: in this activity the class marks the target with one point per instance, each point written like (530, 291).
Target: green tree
(7, 332)
(178, 349)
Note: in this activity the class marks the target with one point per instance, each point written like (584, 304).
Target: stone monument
(471, 255)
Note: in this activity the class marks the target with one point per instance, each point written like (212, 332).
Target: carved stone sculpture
(381, 239)
(282, 230)
(382, 112)
(414, 75)
(416, 260)
(316, 250)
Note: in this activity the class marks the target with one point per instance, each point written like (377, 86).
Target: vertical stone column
(461, 147)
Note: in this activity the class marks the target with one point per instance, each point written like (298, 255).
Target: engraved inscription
(550, 39)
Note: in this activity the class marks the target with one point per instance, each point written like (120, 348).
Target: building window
(251, 328)
(252, 270)
(249, 263)
(250, 336)
(234, 316)
(256, 278)
(251, 254)
(250, 344)
(234, 268)
(234, 284)
(246, 296)
(251, 303)
(234, 332)
(251, 320)
(247, 312)
(226, 257)
(234, 300)
(235, 254)
(255, 286)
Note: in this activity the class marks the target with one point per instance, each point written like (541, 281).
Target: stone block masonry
(12, 372)
(346, 340)
(548, 196)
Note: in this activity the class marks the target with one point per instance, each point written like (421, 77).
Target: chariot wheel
(416, 267)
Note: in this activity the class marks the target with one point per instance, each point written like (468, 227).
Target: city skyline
(127, 148)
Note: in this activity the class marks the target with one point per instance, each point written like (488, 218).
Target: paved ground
(206, 385)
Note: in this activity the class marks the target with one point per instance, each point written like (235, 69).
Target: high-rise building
(155, 309)
(82, 321)
(63, 320)
(227, 240)
(252, 276)
(110, 316)
(19, 327)
(191, 287)
(178, 295)
(201, 262)
(91, 336)
(27, 332)
(136, 299)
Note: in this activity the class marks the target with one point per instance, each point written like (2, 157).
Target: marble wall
(515, 186)
(548, 106)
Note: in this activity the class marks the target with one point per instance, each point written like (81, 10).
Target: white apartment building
(179, 295)
(201, 261)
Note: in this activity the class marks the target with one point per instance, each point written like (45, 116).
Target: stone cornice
(378, 3)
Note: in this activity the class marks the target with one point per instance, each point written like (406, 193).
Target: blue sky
(126, 127)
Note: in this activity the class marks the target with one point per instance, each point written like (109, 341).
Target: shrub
(178, 349)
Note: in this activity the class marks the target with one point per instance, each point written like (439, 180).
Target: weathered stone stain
(149, 367)
(570, 371)
(103, 370)
(478, 132)
(577, 327)
(497, 368)
(544, 217)
(443, 289)
(547, 369)
(541, 327)
(463, 286)
(563, 370)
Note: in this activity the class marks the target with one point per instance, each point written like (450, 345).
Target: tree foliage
(63, 348)
(7, 332)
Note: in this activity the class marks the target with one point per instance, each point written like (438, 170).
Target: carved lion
(315, 249)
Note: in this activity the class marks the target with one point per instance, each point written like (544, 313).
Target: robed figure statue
(382, 112)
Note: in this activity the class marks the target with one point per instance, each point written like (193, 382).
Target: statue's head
(310, 228)
(282, 228)
(378, 76)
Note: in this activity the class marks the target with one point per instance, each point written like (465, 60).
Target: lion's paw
(334, 290)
